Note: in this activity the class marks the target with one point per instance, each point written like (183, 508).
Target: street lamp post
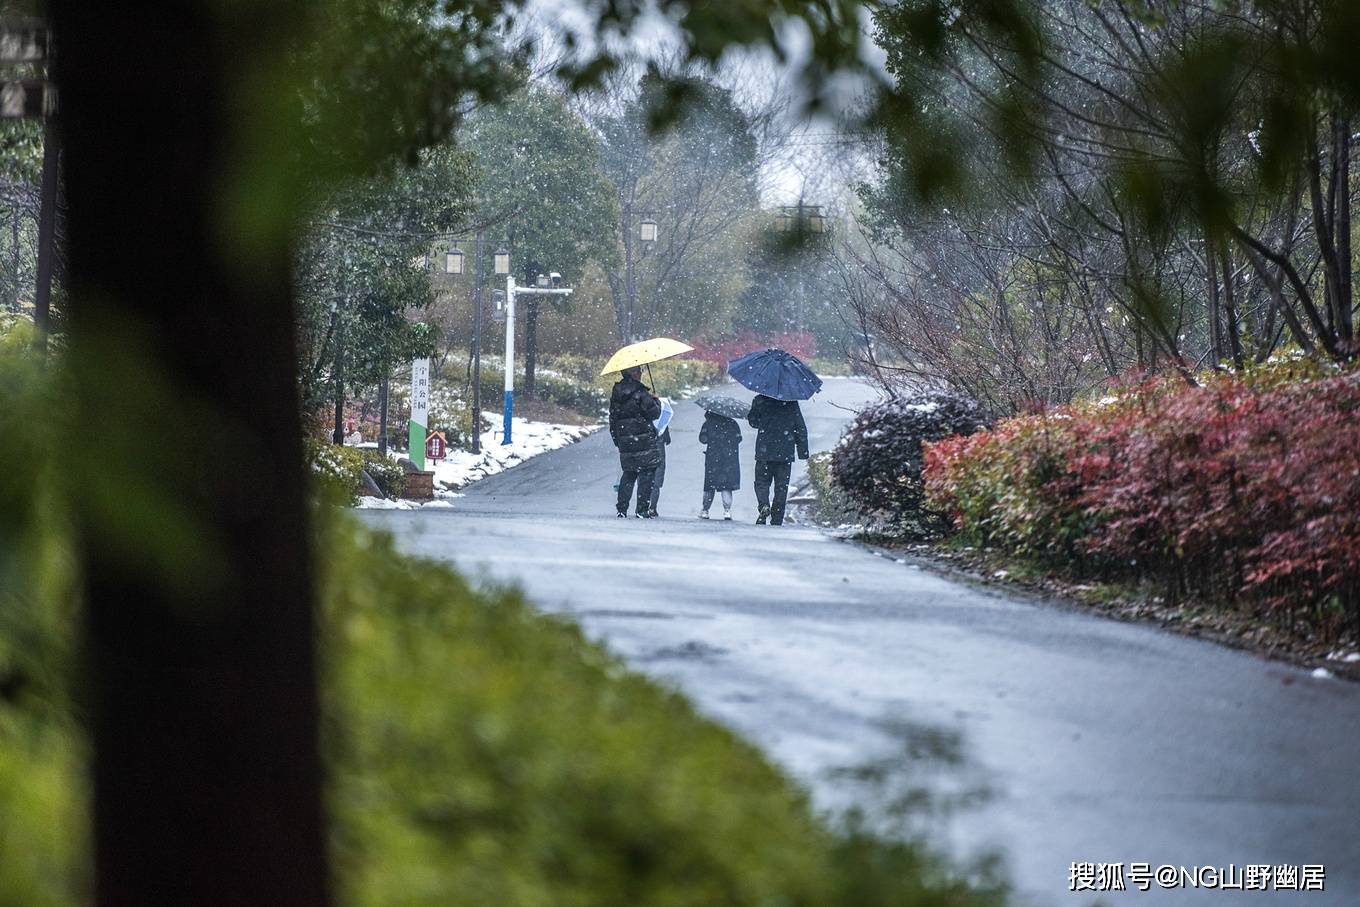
(454, 265)
(802, 219)
(338, 371)
(647, 235)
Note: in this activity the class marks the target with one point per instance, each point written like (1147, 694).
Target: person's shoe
(652, 514)
(622, 514)
(703, 514)
(639, 516)
(764, 515)
(727, 515)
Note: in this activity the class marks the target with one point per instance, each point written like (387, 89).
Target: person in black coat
(722, 466)
(632, 411)
(781, 433)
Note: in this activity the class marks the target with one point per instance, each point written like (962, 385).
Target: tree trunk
(1324, 224)
(200, 672)
(1344, 315)
(1230, 309)
(382, 410)
(1215, 331)
(338, 381)
(530, 345)
(47, 231)
(15, 259)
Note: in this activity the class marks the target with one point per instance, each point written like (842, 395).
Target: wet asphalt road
(1097, 740)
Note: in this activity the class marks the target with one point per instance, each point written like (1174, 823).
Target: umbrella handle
(650, 378)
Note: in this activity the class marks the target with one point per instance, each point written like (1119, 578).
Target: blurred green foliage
(42, 795)
(478, 751)
(485, 753)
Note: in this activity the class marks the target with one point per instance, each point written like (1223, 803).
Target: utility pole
(477, 346)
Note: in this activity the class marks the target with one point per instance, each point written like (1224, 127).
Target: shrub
(671, 377)
(588, 399)
(1243, 491)
(684, 377)
(339, 471)
(1012, 488)
(878, 460)
(385, 471)
(832, 504)
(831, 366)
(336, 470)
(582, 369)
(453, 416)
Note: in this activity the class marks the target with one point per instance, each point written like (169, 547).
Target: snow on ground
(371, 503)
(529, 440)
(462, 467)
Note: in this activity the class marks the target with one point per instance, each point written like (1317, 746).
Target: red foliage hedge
(1231, 491)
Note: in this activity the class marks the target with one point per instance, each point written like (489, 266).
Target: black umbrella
(723, 405)
(775, 373)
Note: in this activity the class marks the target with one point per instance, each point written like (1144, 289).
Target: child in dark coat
(722, 465)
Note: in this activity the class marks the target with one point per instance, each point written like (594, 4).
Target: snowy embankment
(462, 467)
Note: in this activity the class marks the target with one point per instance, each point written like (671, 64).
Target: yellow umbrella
(644, 352)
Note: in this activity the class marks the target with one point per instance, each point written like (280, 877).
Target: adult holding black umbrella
(780, 380)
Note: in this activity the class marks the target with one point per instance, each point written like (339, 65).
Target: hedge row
(339, 470)
(1238, 492)
(877, 463)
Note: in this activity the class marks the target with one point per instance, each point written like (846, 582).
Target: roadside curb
(998, 586)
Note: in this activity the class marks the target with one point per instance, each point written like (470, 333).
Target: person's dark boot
(764, 515)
